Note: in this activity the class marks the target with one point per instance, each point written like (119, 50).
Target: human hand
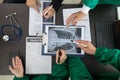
(75, 17)
(33, 4)
(48, 12)
(17, 68)
(90, 49)
(60, 56)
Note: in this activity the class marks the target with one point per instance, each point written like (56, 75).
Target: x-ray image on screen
(60, 38)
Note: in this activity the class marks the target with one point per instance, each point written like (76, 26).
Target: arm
(56, 4)
(59, 71)
(108, 56)
(77, 69)
(90, 3)
(17, 69)
(21, 78)
(33, 4)
(78, 16)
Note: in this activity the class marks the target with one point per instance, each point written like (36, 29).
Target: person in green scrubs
(87, 6)
(104, 55)
(77, 16)
(71, 67)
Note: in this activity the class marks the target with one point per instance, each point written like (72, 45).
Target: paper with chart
(37, 21)
(35, 62)
(60, 37)
(85, 22)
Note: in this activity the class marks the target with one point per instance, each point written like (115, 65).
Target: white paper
(35, 62)
(85, 22)
(118, 13)
(37, 21)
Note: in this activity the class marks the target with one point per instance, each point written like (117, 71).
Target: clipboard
(35, 62)
(58, 36)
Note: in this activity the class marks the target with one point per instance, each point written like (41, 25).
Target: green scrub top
(108, 56)
(73, 67)
(92, 3)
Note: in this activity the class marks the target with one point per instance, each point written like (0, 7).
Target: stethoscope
(15, 30)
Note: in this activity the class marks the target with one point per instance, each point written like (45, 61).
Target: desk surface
(102, 13)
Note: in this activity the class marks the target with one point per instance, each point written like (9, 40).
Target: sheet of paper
(118, 13)
(62, 37)
(37, 21)
(85, 22)
(35, 62)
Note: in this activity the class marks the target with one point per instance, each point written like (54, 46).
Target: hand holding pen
(60, 56)
(48, 12)
(86, 46)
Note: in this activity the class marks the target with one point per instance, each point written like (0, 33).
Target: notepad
(35, 62)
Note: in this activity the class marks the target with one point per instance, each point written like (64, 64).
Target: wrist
(85, 9)
(94, 51)
(20, 76)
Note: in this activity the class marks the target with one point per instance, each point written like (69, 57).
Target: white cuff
(85, 9)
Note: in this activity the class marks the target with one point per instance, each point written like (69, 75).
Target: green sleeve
(42, 77)
(59, 71)
(77, 69)
(108, 56)
(90, 3)
(22, 78)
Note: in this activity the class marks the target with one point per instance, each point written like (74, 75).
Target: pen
(83, 45)
(48, 10)
(59, 55)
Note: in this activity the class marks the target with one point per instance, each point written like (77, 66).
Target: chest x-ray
(60, 37)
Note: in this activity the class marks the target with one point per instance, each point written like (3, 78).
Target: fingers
(57, 56)
(19, 61)
(45, 11)
(83, 44)
(69, 19)
(16, 61)
(75, 17)
(38, 3)
(13, 62)
(60, 58)
(37, 6)
(48, 12)
(33, 4)
(82, 41)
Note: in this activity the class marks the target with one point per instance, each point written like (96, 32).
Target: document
(118, 13)
(85, 22)
(37, 21)
(35, 62)
(60, 37)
